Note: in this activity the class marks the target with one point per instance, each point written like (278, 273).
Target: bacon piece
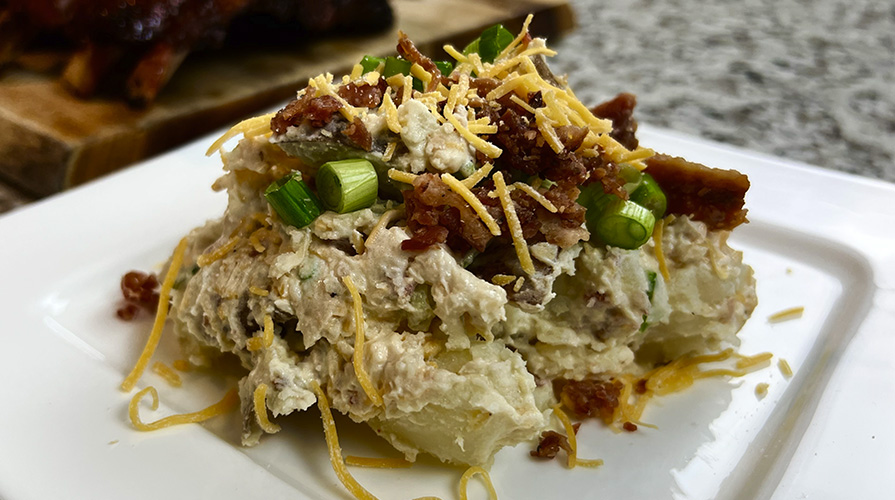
(363, 95)
(358, 133)
(620, 110)
(551, 442)
(408, 50)
(317, 110)
(432, 203)
(711, 195)
(591, 398)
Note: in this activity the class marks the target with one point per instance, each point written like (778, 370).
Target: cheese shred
(786, 314)
(473, 201)
(219, 253)
(266, 338)
(513, 222)
(785, 369)
(259, 398)
(248, 128)
(335, 451)
(225, 405)
(161, 315)
(362, 376)
(377, 463)
(573, 441)
(478, 175)
(486, 478)
(658, 230)
(167, 373)
(401, 176)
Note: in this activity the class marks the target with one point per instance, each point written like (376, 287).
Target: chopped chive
(370, 63)
(293, 200)
(347, 185)
(623, 224)
(650, 196)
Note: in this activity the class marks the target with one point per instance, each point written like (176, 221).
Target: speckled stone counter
(809, 80)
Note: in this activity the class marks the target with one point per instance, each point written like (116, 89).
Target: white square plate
(817, 239)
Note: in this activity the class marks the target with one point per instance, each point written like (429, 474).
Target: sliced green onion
(631, 175)
(400, 66)
(623, 224)
(293, 200)
(445, 67)
(396, 66)
(490, 43)
(650, 196)
(347, 185)
(370, 63)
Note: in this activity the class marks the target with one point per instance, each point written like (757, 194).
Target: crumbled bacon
(711, 195)
(591, 398)
(140, 291)
(358, 133)
(629, 426)
(551, 442)
(620, 110)
(318, 111)
(432, 203)
(363, 95)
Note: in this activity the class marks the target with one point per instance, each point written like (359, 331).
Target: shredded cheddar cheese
(219, 253)
(160, 315)
(381, 224)
(335, 451)
(535, 195)
(486, 478)
(259, 398)
(225, 405)
(398, 175)
(503, 279)
(266, 338)
(784, 368)
(391, 114)
(573, 441)
(658, 230)
(248, 128)
(390, 149)
(761, 390)
(478, 175)
(461, 189)
(786, 314)
(513, 223)
(377, 463)
(167, 373)
(258, 291)
(362, 377)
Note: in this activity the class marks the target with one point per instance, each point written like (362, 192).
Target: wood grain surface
(50, 140)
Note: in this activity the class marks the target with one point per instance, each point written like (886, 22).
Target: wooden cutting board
(50, 140)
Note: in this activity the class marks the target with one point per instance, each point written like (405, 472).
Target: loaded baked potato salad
(447, 250)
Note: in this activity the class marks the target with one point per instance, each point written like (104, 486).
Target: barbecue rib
(148, 39)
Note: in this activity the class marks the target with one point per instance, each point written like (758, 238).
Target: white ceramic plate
(816, 239)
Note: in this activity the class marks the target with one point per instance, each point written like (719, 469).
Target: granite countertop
(808, 80)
